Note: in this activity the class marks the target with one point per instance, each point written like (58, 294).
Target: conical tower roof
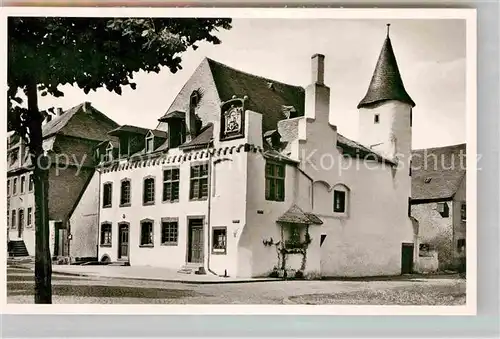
(386, 83)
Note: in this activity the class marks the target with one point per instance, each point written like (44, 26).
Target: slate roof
(202, 140)
(295, 215)
(437, 172)
(262, 98)
(173, 115)
(128, 129)
(158, 133)
(58, 123)
(386, 82)
(353, 148)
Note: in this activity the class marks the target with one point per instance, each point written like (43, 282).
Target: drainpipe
(209, 204)
(98, 214)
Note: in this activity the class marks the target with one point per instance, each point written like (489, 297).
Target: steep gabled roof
(386, 83)
(437, 173)
(265, 96)
(59, 122)
(73, 121)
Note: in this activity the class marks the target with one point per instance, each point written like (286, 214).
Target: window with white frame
(169, 231)
(199, 182)
(171, 180)
(275, 181)
(125, 190)
(106, 234)
(150, 142)
(107, 195)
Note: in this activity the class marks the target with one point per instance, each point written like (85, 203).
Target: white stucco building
(245, 176)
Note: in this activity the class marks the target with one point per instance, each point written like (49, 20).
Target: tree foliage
(45, 53)
(96, 52)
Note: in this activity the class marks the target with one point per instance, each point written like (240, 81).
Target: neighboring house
(245, 176)
(69, 138)
(439, 203)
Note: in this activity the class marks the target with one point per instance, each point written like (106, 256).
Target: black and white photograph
(228, 157)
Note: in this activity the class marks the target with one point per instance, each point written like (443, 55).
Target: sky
(430, 54)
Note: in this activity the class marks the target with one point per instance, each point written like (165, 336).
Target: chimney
(48, 118)
(59, 111)
(317, 96)
(318, 69)
(86, 106)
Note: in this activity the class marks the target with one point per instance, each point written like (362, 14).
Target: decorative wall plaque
(232, 119)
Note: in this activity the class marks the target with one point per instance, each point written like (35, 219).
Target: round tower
(385, 113)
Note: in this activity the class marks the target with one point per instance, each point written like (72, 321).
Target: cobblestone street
(93, 290)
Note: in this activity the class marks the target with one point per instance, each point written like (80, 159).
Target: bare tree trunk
(43, 264)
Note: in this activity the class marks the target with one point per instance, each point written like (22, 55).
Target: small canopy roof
(295, 215)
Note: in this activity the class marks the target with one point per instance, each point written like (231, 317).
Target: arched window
(340, 199)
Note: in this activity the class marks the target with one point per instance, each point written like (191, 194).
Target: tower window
(376, 118)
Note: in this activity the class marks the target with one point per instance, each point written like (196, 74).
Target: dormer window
(150, 142)
(108, 156)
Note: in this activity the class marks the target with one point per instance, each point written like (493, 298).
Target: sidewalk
(149, 273)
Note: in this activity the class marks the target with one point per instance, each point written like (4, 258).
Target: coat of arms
(233, 120)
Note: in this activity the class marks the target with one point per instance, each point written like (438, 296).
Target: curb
(200, 282)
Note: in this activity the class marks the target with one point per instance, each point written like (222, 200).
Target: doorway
(407, 258)
(123, 242)
(20, 226)
(59, 239)
(195, 240)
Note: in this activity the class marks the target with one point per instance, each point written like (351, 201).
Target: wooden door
(123, 242)
(407, 258)
(195, 245)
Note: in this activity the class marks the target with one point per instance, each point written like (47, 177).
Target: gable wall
(209, 106)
